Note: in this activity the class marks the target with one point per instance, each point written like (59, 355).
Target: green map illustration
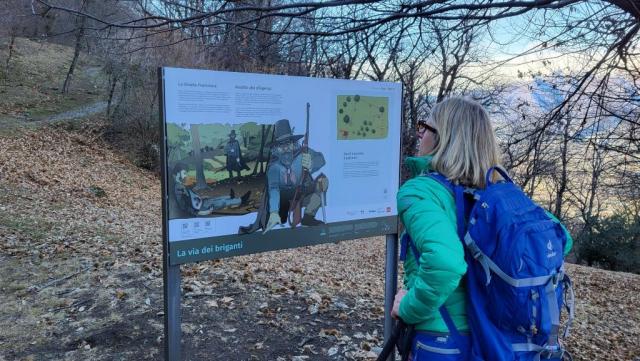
(362, 117)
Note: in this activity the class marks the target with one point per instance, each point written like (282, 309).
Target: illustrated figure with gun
(234, 156)
(292, 194)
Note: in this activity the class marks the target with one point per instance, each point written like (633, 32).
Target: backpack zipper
(438, 350)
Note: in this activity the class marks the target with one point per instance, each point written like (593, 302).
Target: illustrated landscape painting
(198, 164)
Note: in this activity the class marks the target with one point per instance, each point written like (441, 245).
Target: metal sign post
(172, 314)
(390, 286)
(171, 273)
(203, 218)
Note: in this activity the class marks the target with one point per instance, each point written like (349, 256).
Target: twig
(305, 341)
(210, 294)
(51, 283)
(75, 304)
(64, 292)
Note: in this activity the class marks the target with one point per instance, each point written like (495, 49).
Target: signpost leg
(390, 285)
(172, 314)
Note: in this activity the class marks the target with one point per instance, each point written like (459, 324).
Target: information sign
(258, 162)
(254, 163)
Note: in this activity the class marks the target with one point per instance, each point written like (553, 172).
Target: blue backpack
(515, 276)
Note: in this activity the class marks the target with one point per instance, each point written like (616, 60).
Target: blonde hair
(466, 146)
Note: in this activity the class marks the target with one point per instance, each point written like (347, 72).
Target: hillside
(80, 258)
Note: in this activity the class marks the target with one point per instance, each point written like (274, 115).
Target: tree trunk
(152, 107)
(76, 54)
(112, 88)
(562, 187)
(12, 43)
(123, 93)
(201, 182)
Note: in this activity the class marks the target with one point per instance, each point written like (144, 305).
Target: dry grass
(31, 90)
(52, 225)
(81, 268)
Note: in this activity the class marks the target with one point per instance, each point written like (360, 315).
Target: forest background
(559, 77)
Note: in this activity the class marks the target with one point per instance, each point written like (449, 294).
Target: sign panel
(259, 162)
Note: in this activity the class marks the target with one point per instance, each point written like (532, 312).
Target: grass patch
(58, 104)
(34, 228)
(12, 127)
(32, 87)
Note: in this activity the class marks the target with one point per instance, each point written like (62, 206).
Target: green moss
(25, 225)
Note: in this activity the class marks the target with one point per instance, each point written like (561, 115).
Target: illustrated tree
(266, 135)
(178, 140)
(201, 182)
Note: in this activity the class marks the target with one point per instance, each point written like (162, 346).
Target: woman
(459, 143)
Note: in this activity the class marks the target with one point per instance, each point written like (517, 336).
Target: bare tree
(16, 19)
(436, 49)
(80, 29)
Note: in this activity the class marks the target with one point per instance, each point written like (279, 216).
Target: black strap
(401, 337)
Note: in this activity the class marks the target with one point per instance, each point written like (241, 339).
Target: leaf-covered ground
(80, 259)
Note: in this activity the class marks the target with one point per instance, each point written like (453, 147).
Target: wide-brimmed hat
(283, 133)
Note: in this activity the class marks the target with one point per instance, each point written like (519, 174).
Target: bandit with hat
(290, 181)
(234, 155)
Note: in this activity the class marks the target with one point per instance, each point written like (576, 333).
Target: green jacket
(427, 210)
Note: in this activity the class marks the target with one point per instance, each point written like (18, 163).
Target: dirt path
(81, 112)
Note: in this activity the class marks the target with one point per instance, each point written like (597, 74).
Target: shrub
(611, 242)
(133, 116)
(147, 156)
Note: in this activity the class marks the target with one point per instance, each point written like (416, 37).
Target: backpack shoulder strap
(440, 179)
(458, 195)
(407, 241)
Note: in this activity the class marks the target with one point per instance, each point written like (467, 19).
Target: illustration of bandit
(290, 184)
(234, 155)
(195, 205)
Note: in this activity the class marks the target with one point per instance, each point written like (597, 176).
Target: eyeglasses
(426, 127)
(430, 128)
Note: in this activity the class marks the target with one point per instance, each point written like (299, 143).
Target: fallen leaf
(332, 351)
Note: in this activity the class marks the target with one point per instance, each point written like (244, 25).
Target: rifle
(296, 202)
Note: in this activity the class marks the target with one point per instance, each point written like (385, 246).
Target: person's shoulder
(424, 183)
(425, 188)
